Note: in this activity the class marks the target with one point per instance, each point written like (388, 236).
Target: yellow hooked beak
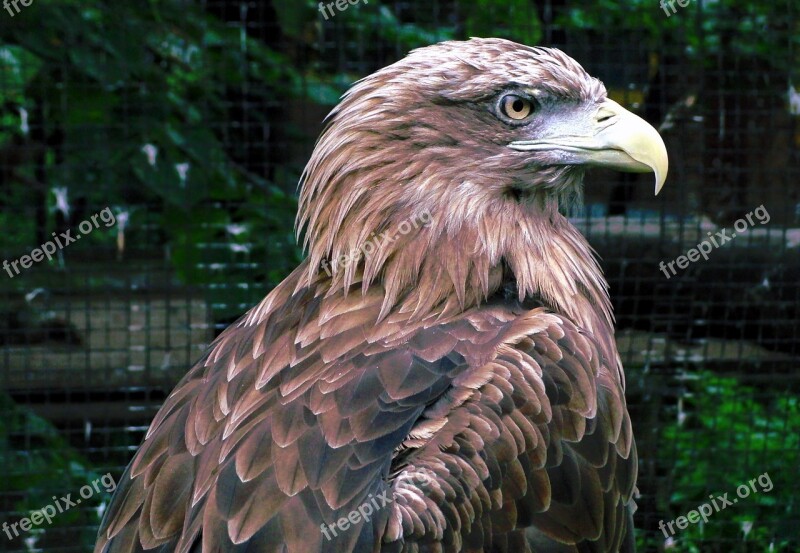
(614, 138)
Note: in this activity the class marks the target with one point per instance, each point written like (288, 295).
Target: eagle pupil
(518, 105)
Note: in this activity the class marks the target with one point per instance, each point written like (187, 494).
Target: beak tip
(659, 183)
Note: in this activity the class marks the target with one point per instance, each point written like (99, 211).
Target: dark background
(191, 122)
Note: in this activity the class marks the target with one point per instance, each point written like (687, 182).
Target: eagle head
(489, 140)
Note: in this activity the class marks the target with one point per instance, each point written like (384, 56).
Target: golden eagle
(453, 387)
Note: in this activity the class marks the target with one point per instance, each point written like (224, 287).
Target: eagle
(453, 387)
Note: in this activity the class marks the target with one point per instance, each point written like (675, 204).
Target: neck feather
(443, 268)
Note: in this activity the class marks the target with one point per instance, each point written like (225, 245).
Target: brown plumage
(462, 378)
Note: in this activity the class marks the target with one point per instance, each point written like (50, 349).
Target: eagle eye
(516, 107)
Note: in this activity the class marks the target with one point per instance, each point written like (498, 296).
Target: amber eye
(516, 107)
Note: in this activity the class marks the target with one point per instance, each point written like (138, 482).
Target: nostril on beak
(604, 114)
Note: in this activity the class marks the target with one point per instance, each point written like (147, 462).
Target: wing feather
(312, 408)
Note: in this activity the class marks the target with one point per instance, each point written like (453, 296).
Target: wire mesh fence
(149, 154)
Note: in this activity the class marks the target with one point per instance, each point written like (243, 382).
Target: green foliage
(168, 71)
(726, 435)
(17, 68)
(38, 463)
(736, 27)
(512, 19)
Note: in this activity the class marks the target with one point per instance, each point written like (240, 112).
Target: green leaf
(18, 67)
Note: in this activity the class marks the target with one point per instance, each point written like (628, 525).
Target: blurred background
(183, 127)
